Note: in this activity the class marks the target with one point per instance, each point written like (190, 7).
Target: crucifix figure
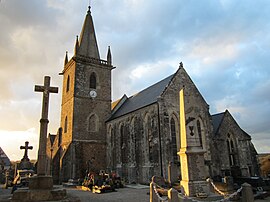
(26, 147)
(46, 89)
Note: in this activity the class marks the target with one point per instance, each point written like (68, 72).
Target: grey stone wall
(242, 153)
(133, 145)
(195, 108)
(139, 145)
(160, 113)
(84, 138)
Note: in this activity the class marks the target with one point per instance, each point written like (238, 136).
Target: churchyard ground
(121, 195)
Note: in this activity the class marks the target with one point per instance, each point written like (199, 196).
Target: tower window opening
(65, 125)
(93, 81)
(68, 83)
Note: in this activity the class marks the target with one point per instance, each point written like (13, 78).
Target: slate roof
(4, 157)
(142, 99)
(217, 119)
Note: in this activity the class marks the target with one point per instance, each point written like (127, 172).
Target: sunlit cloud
(224, 47)
(17, 139)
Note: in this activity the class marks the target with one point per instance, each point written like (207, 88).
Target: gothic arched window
(113, 148)
(232, 146)
(68, 83)
(60, 136)
(149, 135)
(231, 150)
(199, 132)
(174, 142)
(124, 145)
(93, 81)
(65, 125)
(92, 123)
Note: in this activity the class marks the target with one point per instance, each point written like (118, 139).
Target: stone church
(138, 136)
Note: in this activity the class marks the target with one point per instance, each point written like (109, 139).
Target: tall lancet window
(65, 125)
(113, 148)
(199, 132)
(231, 151)
(93, 81)
(124, 145)
(148, 128)
(174, 142)
(68, 83)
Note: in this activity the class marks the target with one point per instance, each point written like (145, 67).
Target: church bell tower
(86, 105)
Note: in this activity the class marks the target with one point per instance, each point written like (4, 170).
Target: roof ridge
(218, 113)
(135, 94)
(143, 98)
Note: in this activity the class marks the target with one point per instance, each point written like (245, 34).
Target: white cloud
(224, 47)
(262, 145)
(17, 139)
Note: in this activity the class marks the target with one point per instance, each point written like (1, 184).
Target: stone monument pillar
(41, 186)
(43, 181)
(192, 159)
(46, 89)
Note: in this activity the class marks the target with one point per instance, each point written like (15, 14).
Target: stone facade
(83, 117)
(138, 136)
(233, 153)
(145, 139)
(143, 142)
(80, 143)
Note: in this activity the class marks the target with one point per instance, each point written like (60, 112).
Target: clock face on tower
(93, 94)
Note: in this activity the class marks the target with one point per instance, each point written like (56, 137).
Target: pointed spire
(76, 49)
(109, 56)
(88, 43)
(66, 58)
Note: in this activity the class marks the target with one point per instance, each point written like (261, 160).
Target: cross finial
(89, 7)
(26, 148)
(181, 64)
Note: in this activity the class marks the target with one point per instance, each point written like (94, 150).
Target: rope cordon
(156, 192)
(180, 195)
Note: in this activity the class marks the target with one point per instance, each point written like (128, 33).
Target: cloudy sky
(224, 45)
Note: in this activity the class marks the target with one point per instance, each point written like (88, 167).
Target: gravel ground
(121, 195)
(5, 194)
(135, 194)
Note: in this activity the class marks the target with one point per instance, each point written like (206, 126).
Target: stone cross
(46, 89)
(26, 147)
